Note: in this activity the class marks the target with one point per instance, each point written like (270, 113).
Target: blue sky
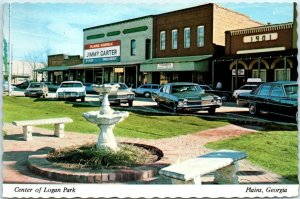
(38, 28)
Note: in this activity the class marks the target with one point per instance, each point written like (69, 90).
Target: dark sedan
(273, 97)
(186, 96)
(225, 95)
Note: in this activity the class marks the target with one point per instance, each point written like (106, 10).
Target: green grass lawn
(138, 125)
(276, 151)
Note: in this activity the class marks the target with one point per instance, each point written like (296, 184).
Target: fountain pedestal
(106, 119)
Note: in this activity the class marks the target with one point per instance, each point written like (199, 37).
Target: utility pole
(10, 52)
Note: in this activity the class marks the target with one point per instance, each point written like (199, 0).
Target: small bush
(88, 156)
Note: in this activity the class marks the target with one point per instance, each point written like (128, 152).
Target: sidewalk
(175, 149)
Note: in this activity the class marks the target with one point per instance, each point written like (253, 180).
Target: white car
(247, 88)
(146, 89)
(71, 90)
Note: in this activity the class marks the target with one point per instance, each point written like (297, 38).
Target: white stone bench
(58, 126)
(223, 163)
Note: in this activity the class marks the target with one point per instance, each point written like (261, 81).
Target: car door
(262, 98)
(277, 102)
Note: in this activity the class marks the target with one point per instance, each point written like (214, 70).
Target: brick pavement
(175, 149)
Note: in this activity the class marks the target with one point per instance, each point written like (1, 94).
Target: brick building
(58, 68)
(185, 40)
(266, 52)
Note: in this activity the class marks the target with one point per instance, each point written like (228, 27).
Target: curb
(39, 165)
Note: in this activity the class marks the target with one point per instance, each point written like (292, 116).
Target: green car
(185, 96)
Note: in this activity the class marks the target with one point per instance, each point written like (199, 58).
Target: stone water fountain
(106, 118)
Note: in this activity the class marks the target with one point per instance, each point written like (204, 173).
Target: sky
(57, 28)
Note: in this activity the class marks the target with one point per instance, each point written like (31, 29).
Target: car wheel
(224, 98)
(174, 108)
(83, 99)
(253, 109)
(43, 96)
(211, 111)
(130, 103)
(147, 94)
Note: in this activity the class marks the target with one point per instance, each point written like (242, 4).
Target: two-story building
(185, 41)
(114, 52)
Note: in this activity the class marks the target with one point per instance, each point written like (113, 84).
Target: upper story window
(133, 48)
(187, 37)
(200, 36)
(174, 39)
(162, 40)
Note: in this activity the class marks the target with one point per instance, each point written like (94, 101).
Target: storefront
(177, 69)
(114, 52)
(264, 52)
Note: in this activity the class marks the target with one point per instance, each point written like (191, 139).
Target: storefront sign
(119, 70)
(241, 72)
(262, 37)
(102, 52)
(165, 66)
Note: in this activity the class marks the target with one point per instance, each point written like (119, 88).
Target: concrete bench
(223, 163)
(58, 126)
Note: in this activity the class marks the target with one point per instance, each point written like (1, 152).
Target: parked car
(51, 86)
(225, 95)
(71, 90)
(251, 84)
(273, 97)
(6, 86)
(23, 85)
(181, 96)
(89, 87)
(122, 95)
(146, 89)
(36, 89)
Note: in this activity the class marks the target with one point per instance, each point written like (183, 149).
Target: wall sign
(241, 72)
(102, 52)
(262, 37)
(165, 66)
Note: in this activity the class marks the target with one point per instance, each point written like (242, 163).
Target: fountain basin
(105, 119)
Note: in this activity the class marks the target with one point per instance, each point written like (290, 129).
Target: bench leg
(27, 133)
(59, 130)
(227, 175)
(196, 180)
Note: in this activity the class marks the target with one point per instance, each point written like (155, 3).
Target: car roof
(182, 83)
(72, 82)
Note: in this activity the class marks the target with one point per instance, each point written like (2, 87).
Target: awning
(102, 65)
(52, 68)
(188, 63)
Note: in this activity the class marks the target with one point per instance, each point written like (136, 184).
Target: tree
(5, 59)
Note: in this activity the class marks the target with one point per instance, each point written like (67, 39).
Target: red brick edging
(40, 165)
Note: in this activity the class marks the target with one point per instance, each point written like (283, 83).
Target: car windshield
(184, 88)
(68, 85)
(291, 90)
(35, 85)
(123, 86)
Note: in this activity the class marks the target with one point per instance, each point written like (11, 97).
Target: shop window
(262, 75)
(187, 37)
(133, 47)
(162, 40)
(282, 74)
(174, 39)
(200, 36)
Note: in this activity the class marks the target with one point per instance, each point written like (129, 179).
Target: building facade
(184, 42)
(114, 52)
(24, 70)
(58, 68)
(265, 52)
